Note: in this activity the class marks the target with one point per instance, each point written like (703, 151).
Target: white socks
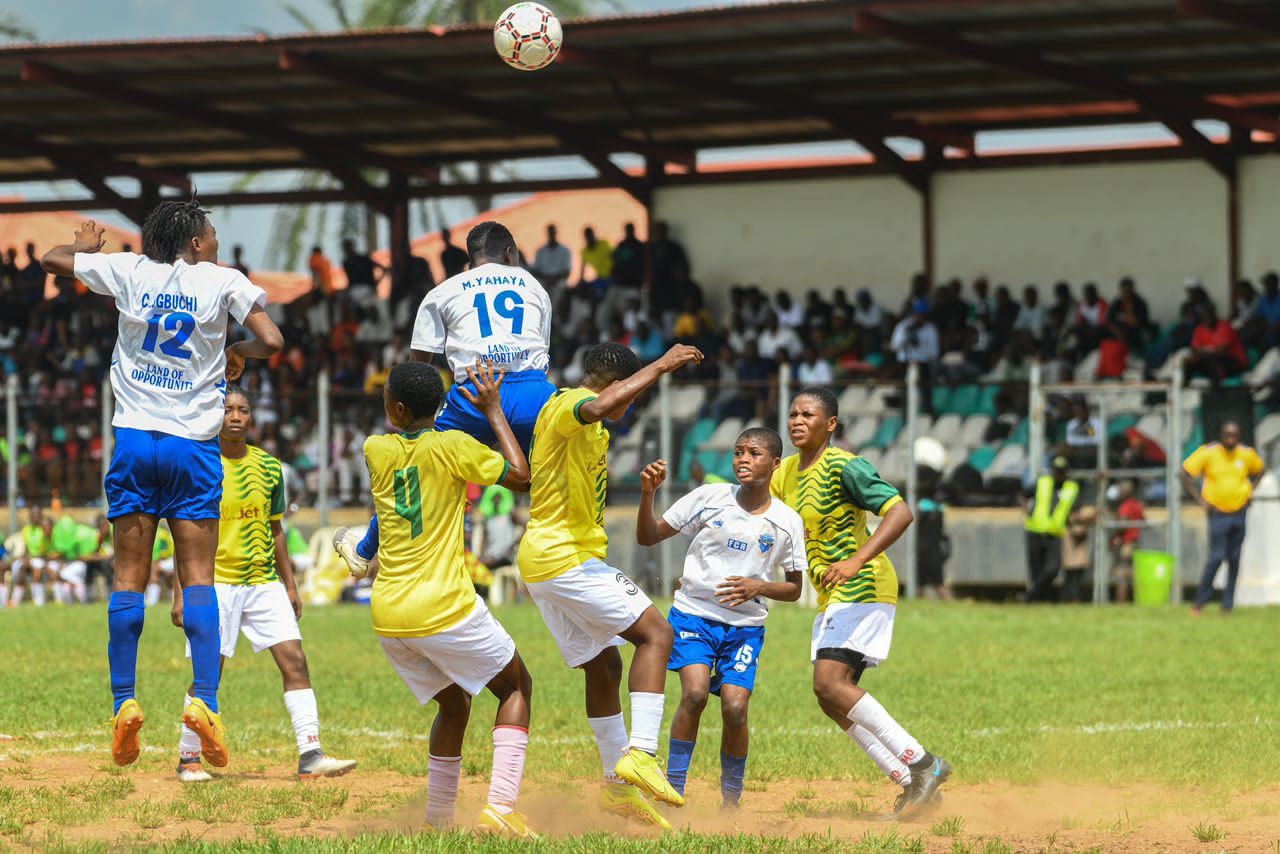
(868, 713)
(189, 746)
(37, 593)
(611, 741)
(306, 718)
(646, 721)
(888, 763)
(442, 789)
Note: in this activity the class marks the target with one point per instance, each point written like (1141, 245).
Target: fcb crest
(766, 543)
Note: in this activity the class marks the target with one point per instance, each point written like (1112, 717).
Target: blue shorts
(732, 652)
(523, 396)
(162, 475)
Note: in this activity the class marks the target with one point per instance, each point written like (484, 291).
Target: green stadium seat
(941, 399)
(1195, 440)
(700, 432)
(889, 429)
(965, 400)
(1116, 426)
(982, 457)
(1021, 434)
(987, 400)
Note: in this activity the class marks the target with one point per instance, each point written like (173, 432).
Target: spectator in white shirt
(553, 263)
(774, 338)
(868, 318)
(813, 370)
(1031, 315)
(915, 339)
(790, 313)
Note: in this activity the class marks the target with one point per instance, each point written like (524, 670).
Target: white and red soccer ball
(527, 36)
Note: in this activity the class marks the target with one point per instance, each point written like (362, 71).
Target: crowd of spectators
(643, 293)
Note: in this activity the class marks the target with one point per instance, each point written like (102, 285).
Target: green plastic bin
(1153, 574)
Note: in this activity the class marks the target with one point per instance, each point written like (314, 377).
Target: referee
(1230, 472)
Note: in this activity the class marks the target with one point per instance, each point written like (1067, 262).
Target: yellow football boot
(124, 733)
(512, 825)
(213, 735)
(643, 771)
(626, 801)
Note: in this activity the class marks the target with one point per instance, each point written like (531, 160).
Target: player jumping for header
(833, 491)
(495, 312)
(591, 607)
(742, 539)
(168, 372)
(256, 590)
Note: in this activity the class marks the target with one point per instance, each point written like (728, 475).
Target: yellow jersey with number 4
(419, 482)
(570, 464)
(833, 497)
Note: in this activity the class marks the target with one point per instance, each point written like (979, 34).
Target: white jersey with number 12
(492, 312)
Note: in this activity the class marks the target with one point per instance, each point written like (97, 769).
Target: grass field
(1071, 729)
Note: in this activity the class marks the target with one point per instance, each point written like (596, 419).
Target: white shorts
(468, 655)
(74, 571)
(261, 611)
(587, 607)
(864, 627)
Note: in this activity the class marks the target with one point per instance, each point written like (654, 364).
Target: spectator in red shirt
(1125, 540)
(1216, 349)
(1113, 353)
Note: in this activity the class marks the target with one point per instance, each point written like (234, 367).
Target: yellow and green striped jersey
(252, 498)
(833, 497)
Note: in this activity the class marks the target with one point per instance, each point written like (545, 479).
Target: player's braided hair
(489, 240)
(610, 362)
(235, 388)
(765, 436)
(825, 398)
(418, 386)
(169, 228)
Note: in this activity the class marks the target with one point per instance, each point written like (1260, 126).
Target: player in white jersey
(496, 312)
(168, 374)
(742, 540)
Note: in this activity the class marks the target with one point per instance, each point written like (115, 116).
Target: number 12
(508, 304)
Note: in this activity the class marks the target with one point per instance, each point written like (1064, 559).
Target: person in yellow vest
(1048, 514)
(1230, 471)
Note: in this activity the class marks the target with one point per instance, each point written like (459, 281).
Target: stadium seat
(975, 430)
(893, 466)
(1010, 463)
(1153, 425)
(1267, 431)
(887, 433)
(1086, 370)
(966, 399)
(1268, 366)
(876, 402)
(1021, 434)
(625, 465)
(1116, 426)
(861, 430)
(696, 435)
(687, 401)
(1126, 403)
(982, 457)
(1194, 440)
(987, 400)
(1165, 371)
(941, 398)
(872, 455)
(947, 429)
(725, 434)
(853, 400)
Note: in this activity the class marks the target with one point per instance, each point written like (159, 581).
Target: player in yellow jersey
(589, 606)
(257, 594)
(834, 491)
(436, 632)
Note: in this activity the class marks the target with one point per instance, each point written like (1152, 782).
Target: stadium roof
(387, 112)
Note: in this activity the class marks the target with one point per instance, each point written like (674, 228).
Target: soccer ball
(527, 36)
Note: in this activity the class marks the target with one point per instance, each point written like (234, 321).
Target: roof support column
(398, 214)
(932, 157)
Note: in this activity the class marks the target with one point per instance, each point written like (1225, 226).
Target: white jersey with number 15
(492, 312)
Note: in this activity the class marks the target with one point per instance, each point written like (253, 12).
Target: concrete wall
(1160, 222)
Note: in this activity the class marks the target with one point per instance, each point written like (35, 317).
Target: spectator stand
(1111, 401)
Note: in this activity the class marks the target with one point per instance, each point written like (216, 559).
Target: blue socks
(368, 547)
(125, 614)
(678, 757)
(200, 622)
(732, 770)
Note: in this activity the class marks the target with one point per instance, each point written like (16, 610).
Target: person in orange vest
(1230, 471)
(1048, 512)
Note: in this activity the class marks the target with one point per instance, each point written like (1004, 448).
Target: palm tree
(293, 223)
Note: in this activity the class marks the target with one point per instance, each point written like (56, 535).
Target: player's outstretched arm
(735, 589)
(267, 341)
(891, 527)
(650, 530)
(622, 393)
(488, 399)
(61, 260)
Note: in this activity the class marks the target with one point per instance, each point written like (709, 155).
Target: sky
(86, 20)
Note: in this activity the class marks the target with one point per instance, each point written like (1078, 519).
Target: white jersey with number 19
(492, 312)
(169, 364)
